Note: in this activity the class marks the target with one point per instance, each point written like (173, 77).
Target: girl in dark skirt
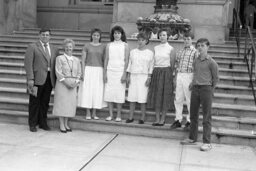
(160, 96)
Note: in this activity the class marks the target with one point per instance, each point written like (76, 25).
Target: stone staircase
(234, 111)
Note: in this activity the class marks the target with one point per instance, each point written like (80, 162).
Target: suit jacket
(36, 63)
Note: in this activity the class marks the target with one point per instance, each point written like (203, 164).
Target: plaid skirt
(160, 95)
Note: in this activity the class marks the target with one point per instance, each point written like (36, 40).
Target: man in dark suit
(40, 71)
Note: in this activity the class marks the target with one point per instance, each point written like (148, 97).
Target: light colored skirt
(91, 90)
(138, 91)
(114, 89)
(65, 100)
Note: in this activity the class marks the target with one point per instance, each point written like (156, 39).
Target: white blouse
(163, 55)
(141, 61)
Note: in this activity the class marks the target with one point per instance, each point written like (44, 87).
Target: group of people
(100, 79)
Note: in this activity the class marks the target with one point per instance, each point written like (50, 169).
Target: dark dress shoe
(129, 120)
(155, 124)
(63, 131)
(32, 129)
(46, 128)
(68, 129)
(140, 122)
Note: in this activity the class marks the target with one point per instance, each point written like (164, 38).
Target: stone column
(17, 14)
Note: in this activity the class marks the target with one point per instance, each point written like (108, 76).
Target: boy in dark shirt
(205, 78)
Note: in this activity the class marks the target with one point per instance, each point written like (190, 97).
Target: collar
(70, 58)
(206, 58)
(190, 47)
(44, 43)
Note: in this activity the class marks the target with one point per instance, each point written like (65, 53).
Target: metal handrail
(250, 58)
(237, 26)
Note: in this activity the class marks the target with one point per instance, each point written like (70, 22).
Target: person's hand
(190, 86)
(69, 83)
(105, 78)
(147, 83)
(128, 80)
(30, 85)
(123, 78)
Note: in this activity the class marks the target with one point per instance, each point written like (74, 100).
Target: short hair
(162, 30)
(95, 30)
(189, 34)
(144, 36)
(119, 29)
(66, 41)
(44, 30)
(203, 40)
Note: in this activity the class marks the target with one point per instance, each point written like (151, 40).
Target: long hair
(119, 29)
(94, 31)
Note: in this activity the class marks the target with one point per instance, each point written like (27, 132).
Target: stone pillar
(17, 14)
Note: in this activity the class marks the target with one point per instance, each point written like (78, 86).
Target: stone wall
(209, 18)
(17, 14)
(69, 14)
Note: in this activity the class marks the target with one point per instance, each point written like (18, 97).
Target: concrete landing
(92, 151)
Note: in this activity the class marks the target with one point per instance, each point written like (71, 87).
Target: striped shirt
(185, 59)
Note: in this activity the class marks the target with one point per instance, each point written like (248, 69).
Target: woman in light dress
(116, 62)
(92, 86)
(140, 67)
(68, 72)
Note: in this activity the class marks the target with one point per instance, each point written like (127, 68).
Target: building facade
(209, 18)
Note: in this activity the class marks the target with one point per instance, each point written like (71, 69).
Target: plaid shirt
(185, 59)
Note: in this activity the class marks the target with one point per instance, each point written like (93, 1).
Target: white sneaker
(108, 118)
(88, 118)
(95, 118)
(206, 147)
(118, 119)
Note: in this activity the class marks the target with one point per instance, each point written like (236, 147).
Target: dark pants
(201, 95)
(38, 106)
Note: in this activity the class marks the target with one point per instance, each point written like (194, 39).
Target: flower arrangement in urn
(165, 16)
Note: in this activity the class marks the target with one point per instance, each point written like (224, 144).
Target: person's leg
(157, 115)
(88, 114)
(66, 119)
(44, 102)
(119, 109)
(179, 98)
(206, 96)
(194, 109)
(94, 116)
(132, 108)
(143, 111)
(187, 93)
(163, 116)
(110, 108)
(33, 111)
(62, 124)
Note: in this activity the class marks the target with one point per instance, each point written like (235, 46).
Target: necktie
(47, 51)
(47, 54)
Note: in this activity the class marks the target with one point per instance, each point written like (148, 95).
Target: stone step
(60, 31)
(231, 65)
(234, 99)
(234, 72)
(224, 79)
(219, 134)
(229, 89)
(235, 80)
(224, 98)
(218, 109)
(13, 82)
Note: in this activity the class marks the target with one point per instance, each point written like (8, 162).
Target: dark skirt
(160, 95)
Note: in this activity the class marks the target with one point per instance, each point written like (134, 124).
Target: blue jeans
(201, 94)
